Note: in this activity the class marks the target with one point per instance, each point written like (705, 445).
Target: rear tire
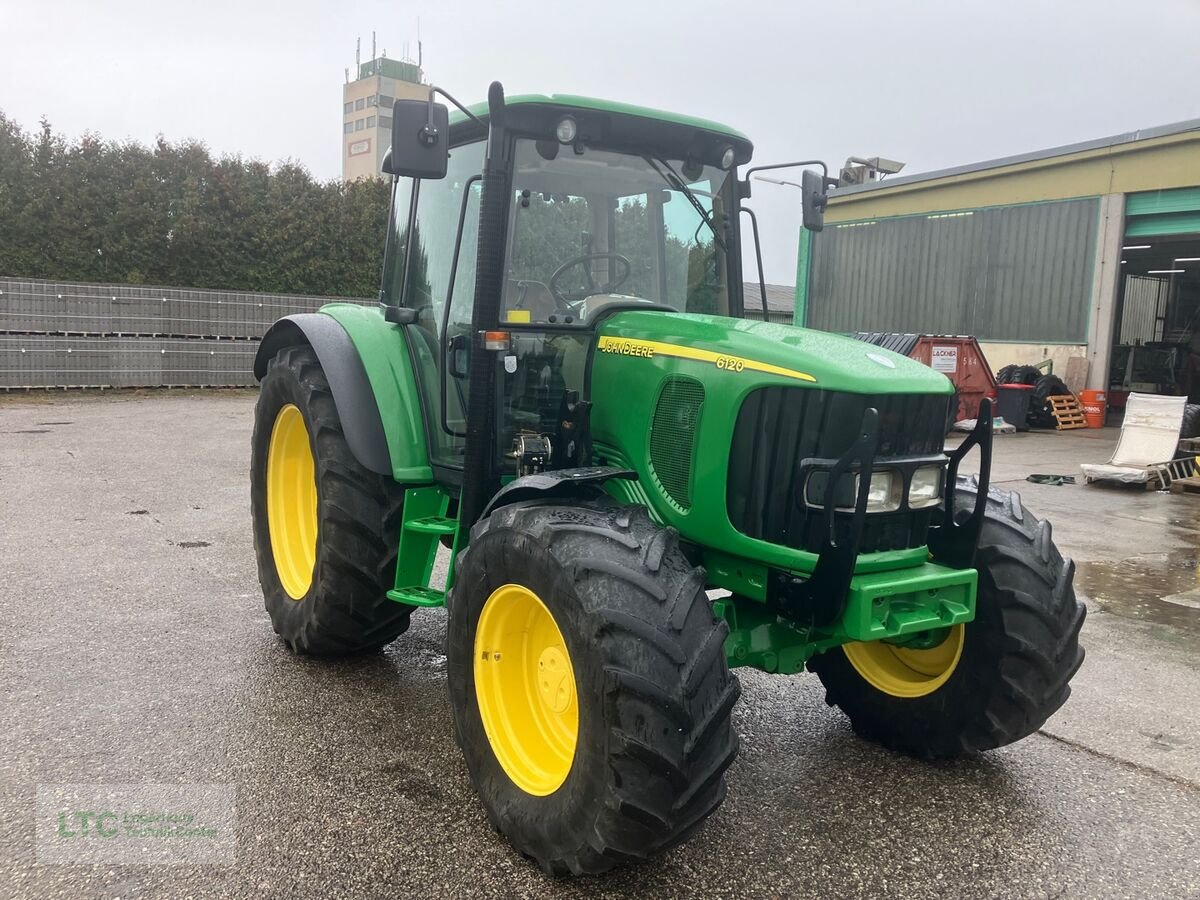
(653, 735)
(342, 605)
(1017, 657)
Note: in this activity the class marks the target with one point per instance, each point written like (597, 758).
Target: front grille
(777, 427)
(673, 436)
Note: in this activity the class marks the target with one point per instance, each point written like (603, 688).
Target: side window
(397, 241)
(434, 227)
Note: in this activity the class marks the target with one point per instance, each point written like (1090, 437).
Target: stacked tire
(1191, 421)
(1018, 375)
(1041, 415)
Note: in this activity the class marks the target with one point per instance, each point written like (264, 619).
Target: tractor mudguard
(370, 375)
(558, 484)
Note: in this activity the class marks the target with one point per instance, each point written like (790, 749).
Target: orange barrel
(1094, 404)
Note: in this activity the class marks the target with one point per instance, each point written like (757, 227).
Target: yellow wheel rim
(905, 671)
(525, 688)
(292, 502)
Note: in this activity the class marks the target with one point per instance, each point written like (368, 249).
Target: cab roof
(612, 106)
(461, 127)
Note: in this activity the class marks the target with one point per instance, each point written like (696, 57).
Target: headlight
(925, 489)
(844, 492)
(884, 492)
(882, 496)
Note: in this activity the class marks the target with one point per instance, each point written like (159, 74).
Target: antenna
(347, 74)
(419, 48)
(357, 53)
(373, 45)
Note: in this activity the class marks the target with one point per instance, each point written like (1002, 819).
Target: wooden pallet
(1067, 412)
(1189, 485)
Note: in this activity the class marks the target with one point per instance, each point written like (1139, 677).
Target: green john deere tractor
(639, 488)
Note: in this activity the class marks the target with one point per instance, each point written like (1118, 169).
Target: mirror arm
(762, 281)
(744, 186)
(466, 112)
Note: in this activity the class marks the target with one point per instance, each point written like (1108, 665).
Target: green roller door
(1163, 212)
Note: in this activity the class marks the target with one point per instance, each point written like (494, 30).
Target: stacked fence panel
(72, 335)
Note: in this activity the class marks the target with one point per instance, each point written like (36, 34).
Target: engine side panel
(667, 390)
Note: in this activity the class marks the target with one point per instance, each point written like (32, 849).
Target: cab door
(431, 269)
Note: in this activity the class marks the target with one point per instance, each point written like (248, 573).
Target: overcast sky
(930, 82)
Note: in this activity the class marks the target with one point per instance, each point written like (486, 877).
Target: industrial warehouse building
(1090, 250)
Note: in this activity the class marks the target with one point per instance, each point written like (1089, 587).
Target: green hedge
(96, 210)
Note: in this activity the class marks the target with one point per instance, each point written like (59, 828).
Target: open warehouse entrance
(1156, 345)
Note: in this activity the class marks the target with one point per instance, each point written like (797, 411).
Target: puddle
(1159, 587)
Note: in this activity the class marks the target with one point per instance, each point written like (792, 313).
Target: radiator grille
(777, 427)
(673, 436)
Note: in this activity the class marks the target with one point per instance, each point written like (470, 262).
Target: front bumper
(894, 604)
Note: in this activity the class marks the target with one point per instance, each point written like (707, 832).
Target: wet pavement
(135, 650)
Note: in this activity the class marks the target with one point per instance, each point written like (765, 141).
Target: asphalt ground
(134, 649)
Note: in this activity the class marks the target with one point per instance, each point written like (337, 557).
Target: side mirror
(813, 199)
(420, 140)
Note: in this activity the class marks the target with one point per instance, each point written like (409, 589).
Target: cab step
(432, 525)
(423, 527)
(418, 596)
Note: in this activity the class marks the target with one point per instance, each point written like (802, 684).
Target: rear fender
(366, 362)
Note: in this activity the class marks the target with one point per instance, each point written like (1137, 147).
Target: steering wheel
(565, 297)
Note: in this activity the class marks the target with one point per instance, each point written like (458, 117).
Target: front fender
(366, 361)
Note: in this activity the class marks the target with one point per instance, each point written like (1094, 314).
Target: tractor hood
(797, 355)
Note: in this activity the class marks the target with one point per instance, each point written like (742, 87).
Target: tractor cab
(605, 208)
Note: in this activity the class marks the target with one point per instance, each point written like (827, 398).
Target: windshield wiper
(672, 178)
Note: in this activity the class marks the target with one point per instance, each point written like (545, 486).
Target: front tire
(989, 682)
(622, 753)
(326, 529)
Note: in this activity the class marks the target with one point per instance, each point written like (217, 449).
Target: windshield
(595, 228)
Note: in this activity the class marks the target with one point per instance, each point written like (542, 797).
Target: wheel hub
(555, 684)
